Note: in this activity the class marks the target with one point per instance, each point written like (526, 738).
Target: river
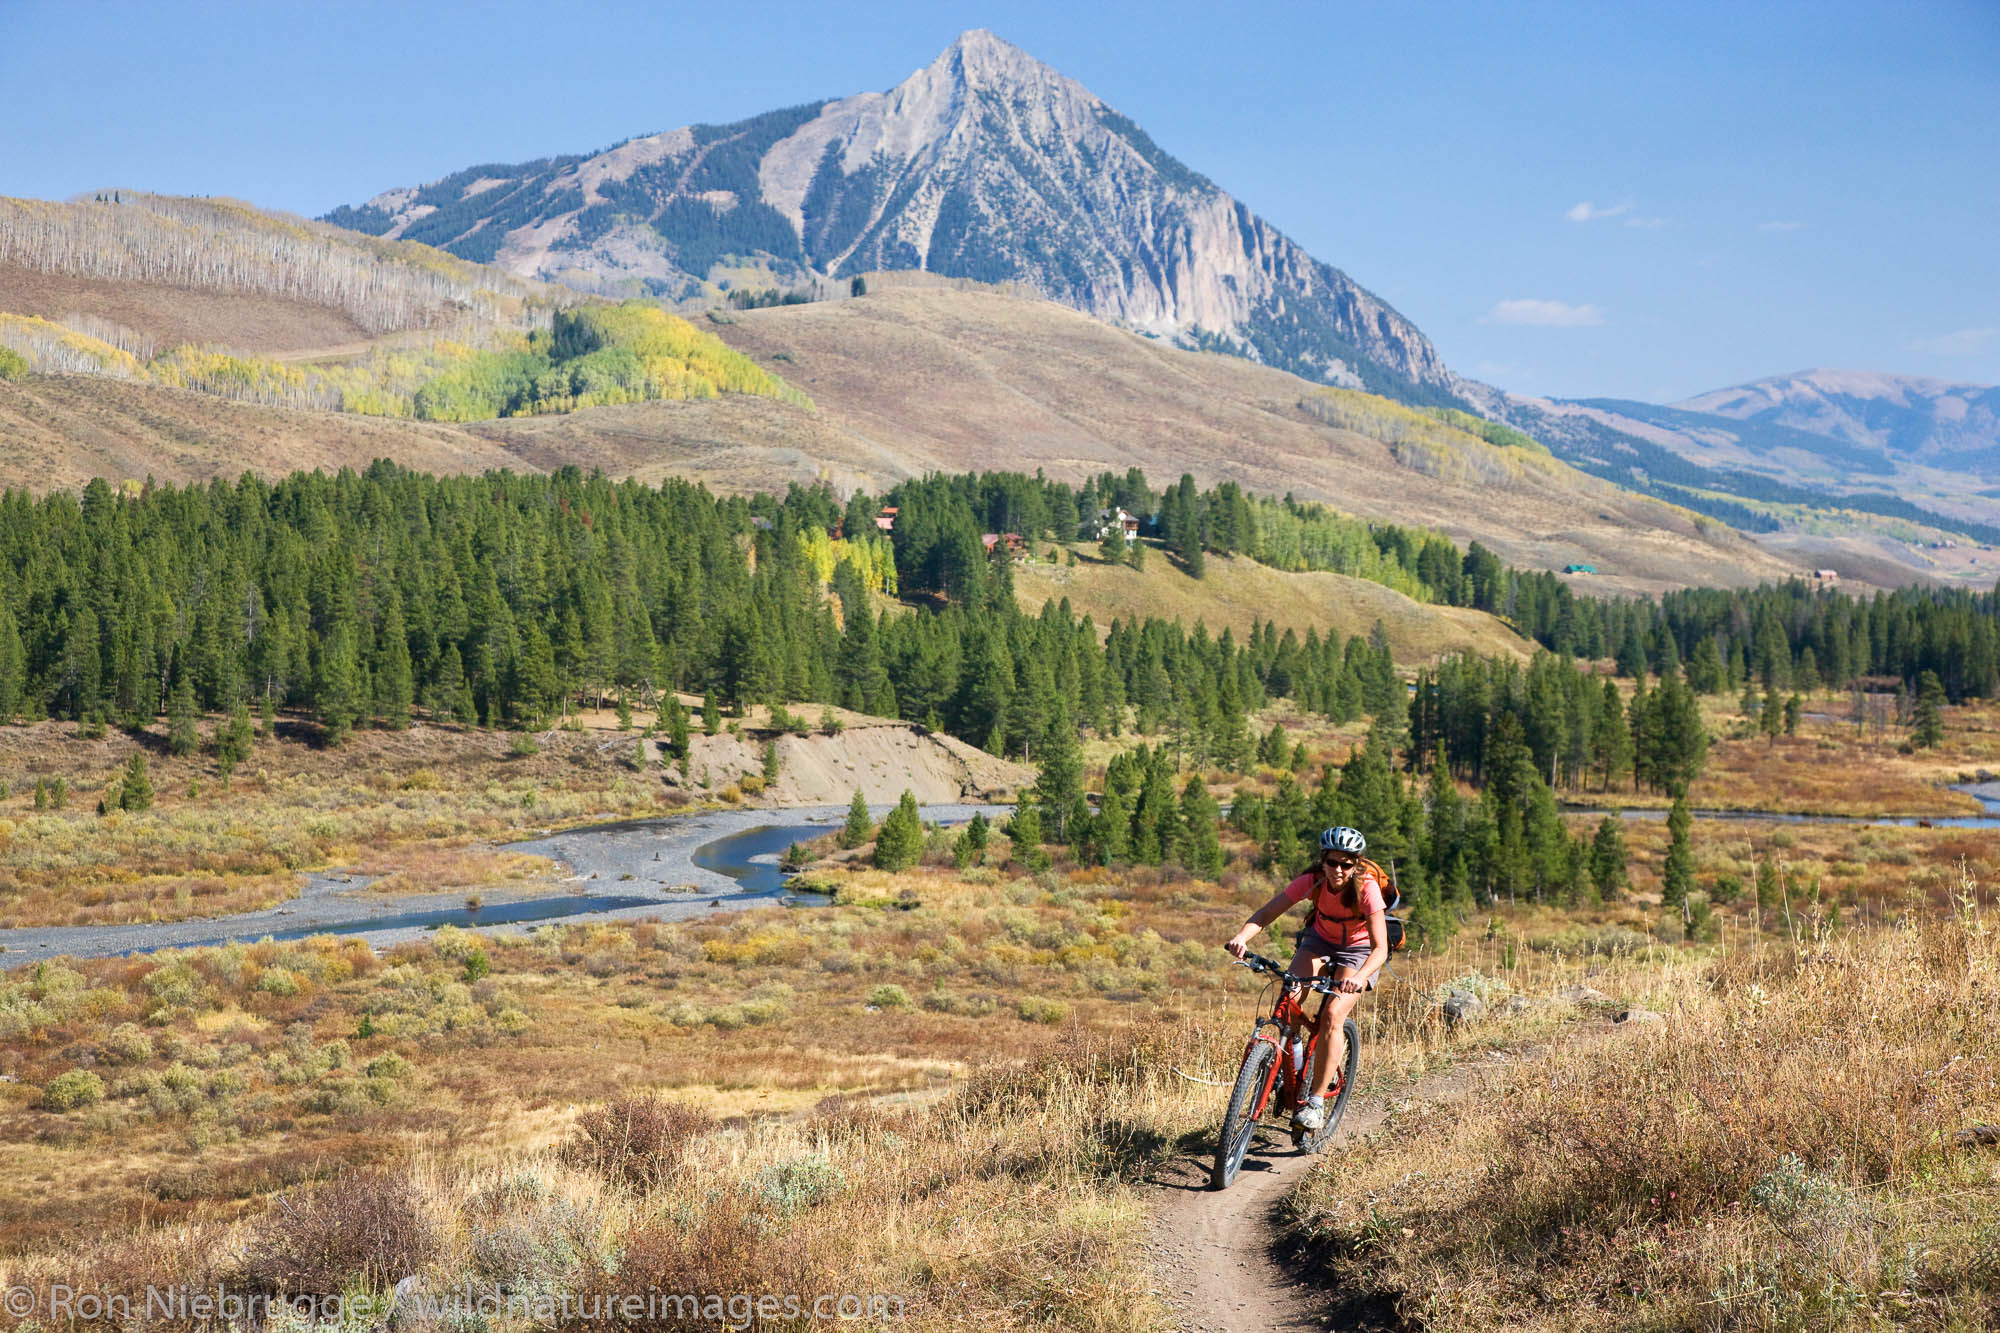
(671, 868)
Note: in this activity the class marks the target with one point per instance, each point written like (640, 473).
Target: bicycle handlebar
(1259, 963)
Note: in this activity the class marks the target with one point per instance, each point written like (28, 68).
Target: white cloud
(1545, 314)
(1965, 342)
(1779, 226)
(1589, 212)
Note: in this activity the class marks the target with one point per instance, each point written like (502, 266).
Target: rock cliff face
(986, 164)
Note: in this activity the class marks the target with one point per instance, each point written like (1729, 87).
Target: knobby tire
(1239, 1127)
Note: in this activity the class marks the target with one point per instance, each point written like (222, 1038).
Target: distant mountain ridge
(985, 164)
(1925, 421)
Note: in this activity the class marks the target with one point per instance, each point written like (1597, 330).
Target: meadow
(947, 1090)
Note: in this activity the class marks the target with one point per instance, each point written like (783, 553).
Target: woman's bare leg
(1306, 963)
(1330, 1051)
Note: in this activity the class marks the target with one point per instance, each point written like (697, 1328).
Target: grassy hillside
(1236, 591)
(951, 379)
(227, 300)
(911, 378)
(63, 430)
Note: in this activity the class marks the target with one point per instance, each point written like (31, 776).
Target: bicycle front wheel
(1239, 1124)
(1350, 1064)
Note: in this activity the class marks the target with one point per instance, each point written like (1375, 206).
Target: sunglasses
(1337, 859)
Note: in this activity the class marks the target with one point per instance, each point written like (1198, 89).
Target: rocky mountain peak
(985, 164)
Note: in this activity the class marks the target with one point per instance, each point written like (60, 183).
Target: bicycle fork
(1282, 1078)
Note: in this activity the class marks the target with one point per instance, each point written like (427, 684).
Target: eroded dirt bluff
(880, 761)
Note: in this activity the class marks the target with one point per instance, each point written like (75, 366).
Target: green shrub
(389, 1065)
(889, 997)
(1037, 1009)
(801, 1183)
(129, 1044)
(79, 1087)
(278, 981)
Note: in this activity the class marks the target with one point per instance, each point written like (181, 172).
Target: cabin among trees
(1010, 544)
(1113, 519)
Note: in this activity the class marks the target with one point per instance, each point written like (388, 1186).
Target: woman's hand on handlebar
(1350, 985)
(1239, 943)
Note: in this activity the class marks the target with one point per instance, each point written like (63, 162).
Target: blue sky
(1571, 199)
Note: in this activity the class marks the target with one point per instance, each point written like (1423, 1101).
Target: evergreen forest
(376, 598)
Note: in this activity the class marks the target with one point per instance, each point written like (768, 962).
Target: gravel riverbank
(648, 866)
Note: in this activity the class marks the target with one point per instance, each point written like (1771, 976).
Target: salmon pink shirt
(1335, 924)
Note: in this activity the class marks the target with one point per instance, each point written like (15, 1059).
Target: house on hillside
(1579, 569)
(1113, 520)
(886, 520)
(1824, 576)
(1009, 542)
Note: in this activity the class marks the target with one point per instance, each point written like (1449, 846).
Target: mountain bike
(1277, 1070)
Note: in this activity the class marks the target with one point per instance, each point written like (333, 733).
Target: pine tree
(1792, 708)
(711, 716)
(971, 849)
(183, 730)
(1608, 871)
(677, 728)
(1112, 828)
(13, 664)
(395, 687)
(453, 694)
(1202, 818)
(339, 688)
(901, 839)
(1059, 774)
(233, 740)
(859, 828)
(1929, 729)
(1610, 738)
(1769, 892)
(1024, 831)
(1272, 751)
(136, 791)
(1771, 720)
(1677, 877)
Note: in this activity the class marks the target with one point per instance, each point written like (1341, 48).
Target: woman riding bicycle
(1348, 929)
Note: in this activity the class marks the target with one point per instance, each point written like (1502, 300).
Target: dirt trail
(1214, 1251)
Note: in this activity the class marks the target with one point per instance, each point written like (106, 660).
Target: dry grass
(943, 1087)
(1830, 766)
(1780, 1154)
(971, 1151)
(406, 801)
(1236, 591)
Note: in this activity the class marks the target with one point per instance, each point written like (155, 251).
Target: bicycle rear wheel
(1337, 1103)
(1239, 1125)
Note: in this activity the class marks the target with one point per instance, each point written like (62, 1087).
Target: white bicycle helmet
(1343, 839)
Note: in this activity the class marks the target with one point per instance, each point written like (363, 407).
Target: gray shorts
(1312, 944)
